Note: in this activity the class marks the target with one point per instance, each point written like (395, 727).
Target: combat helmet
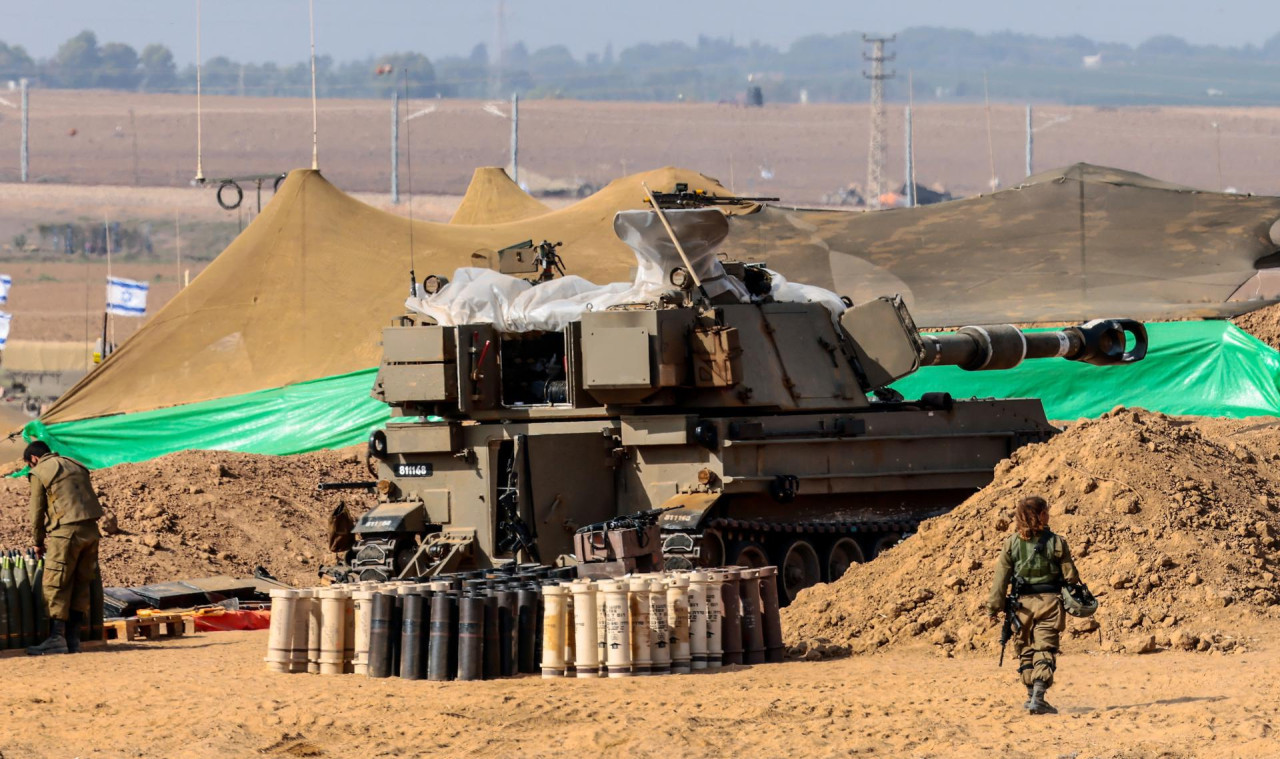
(1078, 601)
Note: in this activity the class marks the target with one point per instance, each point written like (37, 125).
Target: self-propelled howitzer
(757, 414)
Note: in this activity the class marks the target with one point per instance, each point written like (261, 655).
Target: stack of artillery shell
(489, 624)
(471, 626)
(24, 620)
(661, 623)
(24, 617)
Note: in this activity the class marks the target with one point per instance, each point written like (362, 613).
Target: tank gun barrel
(1101, 342)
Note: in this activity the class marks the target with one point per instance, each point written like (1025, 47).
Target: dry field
(128, 138)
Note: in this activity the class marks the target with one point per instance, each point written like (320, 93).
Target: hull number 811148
(414, 470)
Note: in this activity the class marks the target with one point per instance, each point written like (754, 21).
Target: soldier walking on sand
(1038, 564)
(64, 527)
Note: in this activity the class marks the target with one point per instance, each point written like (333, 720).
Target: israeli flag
(5, 318)
(125, 297)
(5, 283)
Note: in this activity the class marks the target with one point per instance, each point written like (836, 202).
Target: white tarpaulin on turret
(484, 296)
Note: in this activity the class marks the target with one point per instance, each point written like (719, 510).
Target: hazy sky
(262, 30)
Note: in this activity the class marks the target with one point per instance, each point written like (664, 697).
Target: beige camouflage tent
(1068, 244)
(302, 293)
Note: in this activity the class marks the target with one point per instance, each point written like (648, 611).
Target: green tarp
(326, 413)
(1207, 368)
(1204, 368)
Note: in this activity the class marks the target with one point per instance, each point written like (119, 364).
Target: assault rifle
(1011, 623)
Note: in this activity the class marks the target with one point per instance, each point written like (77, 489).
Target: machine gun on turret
(684, 198)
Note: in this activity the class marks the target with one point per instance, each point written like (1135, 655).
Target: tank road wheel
(844, 553)
(712, 553)
(800, 568)
(885, 542)
(748, 554)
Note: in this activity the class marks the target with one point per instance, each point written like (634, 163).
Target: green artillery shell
(23, 583)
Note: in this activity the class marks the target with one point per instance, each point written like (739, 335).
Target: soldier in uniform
(1039, 563)
(64, 526)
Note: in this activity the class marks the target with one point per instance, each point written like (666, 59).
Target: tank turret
(757, 414)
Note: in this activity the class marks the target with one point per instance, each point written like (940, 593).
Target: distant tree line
(946, 65)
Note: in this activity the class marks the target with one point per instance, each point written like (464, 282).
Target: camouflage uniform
(64, 521)
(1041, 613)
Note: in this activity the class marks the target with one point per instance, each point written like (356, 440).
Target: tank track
(805, 551)
(761, 528)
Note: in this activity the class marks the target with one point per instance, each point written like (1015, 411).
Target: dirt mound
(1173, 521)
(1263, 324)
(201, 513)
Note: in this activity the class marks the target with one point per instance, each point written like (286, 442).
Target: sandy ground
(210, 695)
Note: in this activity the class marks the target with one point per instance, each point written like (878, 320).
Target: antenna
(408, 166)
(315, 141)
(199, 134)
(395, 147)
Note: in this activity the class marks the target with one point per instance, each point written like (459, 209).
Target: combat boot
(56, 643)
(73, 632)
(1037, 703)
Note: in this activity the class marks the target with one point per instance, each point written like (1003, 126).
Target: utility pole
(877, 154)
(1029, 141)
(24, 154)
(133, 133)
(315, 124)
(395, 147)
(910, 170)
(515, 137)
(498, 61)
(1217, 151)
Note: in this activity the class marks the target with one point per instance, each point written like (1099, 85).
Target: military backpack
(1034, 562)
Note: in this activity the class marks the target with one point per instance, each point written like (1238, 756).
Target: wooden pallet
(152, 627)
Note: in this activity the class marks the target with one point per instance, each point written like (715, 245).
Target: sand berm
(203, 513)
(1173, 521)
